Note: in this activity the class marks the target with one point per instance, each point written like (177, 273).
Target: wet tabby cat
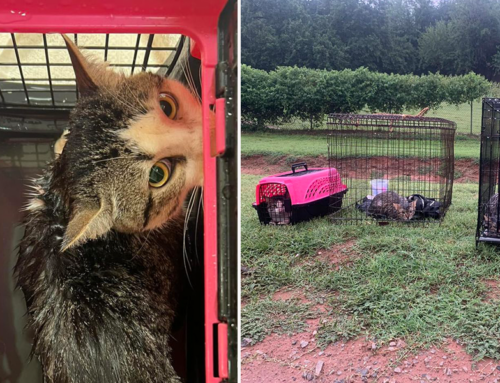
(101, 259)
(491, 215)
(392, 206)
(277, 211)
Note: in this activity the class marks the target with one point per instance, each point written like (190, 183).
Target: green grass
(276, 145)
(423, 284)
(458, 114)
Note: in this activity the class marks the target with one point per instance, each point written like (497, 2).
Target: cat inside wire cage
(297, 196)
(488, 220)
(397, 168)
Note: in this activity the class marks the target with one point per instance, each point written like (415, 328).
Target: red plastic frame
(300, 188)
(196, 19)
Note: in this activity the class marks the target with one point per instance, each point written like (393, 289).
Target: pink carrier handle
(299, 165)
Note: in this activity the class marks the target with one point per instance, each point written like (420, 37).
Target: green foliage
(301, 93)
(467, 88)
(259, 105)
(389, 93)
(308, 94)
(390, 36)
(474, 86)
(436, 50)
(428, 90)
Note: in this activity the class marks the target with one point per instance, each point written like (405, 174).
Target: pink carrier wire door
(200, 21)
(299, 195)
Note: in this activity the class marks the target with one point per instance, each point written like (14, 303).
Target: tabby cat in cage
(100, 263)
(391, 205)
(277, 211)
(491, 215)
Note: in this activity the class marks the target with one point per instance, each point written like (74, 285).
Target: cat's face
(407, 213)
(133, 152)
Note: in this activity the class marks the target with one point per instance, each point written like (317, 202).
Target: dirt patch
(281, 358)
(285, 294)
(493, 292)
(259, 165)
(466, 170)
(339, 255)
(317, 301)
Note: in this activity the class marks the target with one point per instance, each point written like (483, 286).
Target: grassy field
(422, 284)
(297, 145)
(458, 114)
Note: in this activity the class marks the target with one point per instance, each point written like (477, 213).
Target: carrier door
(226, 147)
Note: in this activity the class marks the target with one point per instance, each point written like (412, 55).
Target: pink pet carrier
(211, 26)
(296, 196)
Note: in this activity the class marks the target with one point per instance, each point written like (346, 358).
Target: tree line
(452, 37)
(277, 96)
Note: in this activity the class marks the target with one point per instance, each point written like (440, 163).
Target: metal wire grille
(380, 154)
(20, 154)
(36, 71)
(488, 207)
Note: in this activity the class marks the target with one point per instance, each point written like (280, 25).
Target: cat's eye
(169, 105)
(160, 173)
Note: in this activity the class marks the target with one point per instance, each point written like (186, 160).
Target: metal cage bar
(489, 166)
(23, 90)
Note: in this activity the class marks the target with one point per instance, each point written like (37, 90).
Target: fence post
(471, 104)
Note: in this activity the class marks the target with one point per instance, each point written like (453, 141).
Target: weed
(423, 284)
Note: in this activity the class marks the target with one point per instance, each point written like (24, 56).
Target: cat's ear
(413, 205)
(61, 143)
(87, 223)
(397, 206)
(84, 81)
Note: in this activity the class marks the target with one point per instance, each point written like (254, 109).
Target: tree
(301, 91)
(438, 52)
(473, 87)
(259, 104)
(466, 42)
(389, 36)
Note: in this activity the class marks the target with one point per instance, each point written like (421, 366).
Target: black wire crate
(397, 168)
(489, 165)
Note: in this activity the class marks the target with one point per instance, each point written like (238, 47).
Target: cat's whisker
(114, 158)
(143, 243)
(186, 222)
(118, 97)
(190, 81)
(185, 256)
(200, 199)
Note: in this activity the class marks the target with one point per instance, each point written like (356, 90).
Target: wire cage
(489, 166)
(37, 82)
(38, 92)
(397, 168)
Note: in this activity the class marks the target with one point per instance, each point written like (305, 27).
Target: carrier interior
(37, 93)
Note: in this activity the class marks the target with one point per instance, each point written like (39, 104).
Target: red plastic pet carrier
(299, 195)
(211, 28)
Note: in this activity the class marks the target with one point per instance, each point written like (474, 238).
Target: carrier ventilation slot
(271, 190)
(319, 187)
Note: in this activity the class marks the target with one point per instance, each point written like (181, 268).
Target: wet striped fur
(101, 262)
